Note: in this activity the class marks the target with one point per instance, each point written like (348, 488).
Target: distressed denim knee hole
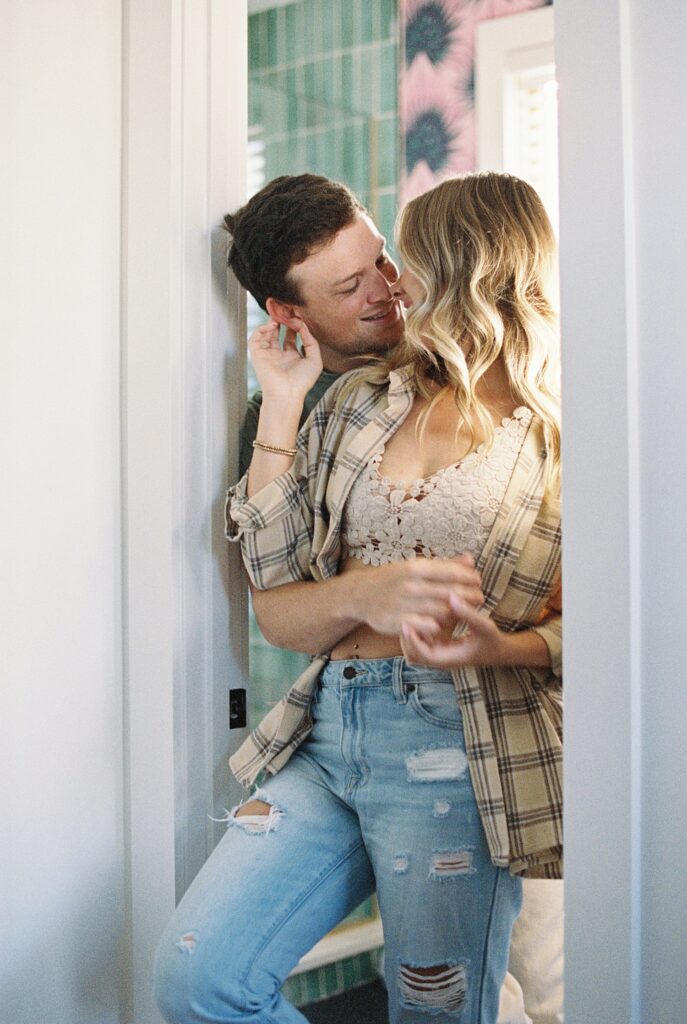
(436, 988)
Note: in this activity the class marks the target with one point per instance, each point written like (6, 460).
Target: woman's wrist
(275, 446)
(278, 424)
(525, 648)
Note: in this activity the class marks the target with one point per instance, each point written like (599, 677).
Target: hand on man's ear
(284, 313)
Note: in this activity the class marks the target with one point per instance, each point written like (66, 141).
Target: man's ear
(285, 313)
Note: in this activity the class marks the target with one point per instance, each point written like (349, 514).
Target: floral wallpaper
(437, 86)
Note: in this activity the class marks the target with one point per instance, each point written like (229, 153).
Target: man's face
(349, 302)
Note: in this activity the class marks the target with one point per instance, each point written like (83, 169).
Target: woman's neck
(493, 388)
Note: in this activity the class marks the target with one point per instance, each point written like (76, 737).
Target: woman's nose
(385, 283)
(390, 273)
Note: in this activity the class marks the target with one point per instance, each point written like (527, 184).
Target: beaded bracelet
(274, 448)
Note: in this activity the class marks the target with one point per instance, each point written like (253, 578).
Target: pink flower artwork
(437, 86)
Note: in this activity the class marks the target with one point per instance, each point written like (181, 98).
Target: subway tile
(271, 35)
(254, 104)
(335, 149)
(289, 82)
(347, 14)
(366, 20)
(328, 29)
(387, 152)
(360, 93)
(328, 85)
(388, 17)
(319, 74)
(307, 29)
(281, 35)
(341, 96)
(347, 80)
(388, 78)
(309, 80)
(255, 37)
(386, 206)
(293, 114)
(350, 168)
(311, 153)
(293, 17)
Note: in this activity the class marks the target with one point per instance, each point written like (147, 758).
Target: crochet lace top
(448, 513)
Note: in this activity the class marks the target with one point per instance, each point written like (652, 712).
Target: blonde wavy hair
(483, 248)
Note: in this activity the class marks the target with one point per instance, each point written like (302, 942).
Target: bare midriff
(364, 641)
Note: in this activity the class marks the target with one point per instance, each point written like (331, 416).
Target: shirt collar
(400, 381)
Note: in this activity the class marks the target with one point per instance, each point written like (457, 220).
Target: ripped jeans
(378, 797)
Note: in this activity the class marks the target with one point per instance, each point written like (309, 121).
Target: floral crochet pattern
(449, 513)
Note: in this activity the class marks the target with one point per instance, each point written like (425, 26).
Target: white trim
(504, 45)
(184, 139)
(601, 557)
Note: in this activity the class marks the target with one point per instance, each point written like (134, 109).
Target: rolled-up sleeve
(550, 630)
(274, 528)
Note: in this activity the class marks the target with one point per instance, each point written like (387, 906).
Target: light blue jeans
(378, 797)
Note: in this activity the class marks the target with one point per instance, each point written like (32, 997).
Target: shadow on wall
(81, 989)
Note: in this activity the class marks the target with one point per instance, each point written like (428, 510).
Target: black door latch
(237, 709)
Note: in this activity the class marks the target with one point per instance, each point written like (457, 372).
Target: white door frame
(183, 345)
(601, 513)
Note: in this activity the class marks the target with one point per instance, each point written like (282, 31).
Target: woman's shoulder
(356, 389)
(352, 401)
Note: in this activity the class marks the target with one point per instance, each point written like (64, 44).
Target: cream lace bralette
(448, 513)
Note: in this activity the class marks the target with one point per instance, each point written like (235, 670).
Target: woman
(425, 765)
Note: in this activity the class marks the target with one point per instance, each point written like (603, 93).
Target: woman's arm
(312, 617)
(285, 376)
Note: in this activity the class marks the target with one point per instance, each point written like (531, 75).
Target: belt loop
(397, 679)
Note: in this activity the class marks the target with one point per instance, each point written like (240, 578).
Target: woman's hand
(483, 643)
(284, 373)
(416, 592)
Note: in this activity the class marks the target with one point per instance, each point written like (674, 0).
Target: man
(308, 252)
(291, 219)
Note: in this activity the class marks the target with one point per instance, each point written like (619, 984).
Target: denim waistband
(380, 672)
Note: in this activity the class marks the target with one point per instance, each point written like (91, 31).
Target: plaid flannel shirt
(512, 716)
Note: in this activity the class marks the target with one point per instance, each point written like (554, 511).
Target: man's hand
(284, 373)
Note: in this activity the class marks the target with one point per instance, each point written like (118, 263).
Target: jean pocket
(436, 703)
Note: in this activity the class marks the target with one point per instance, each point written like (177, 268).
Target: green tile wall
(323, 89)
(323, 98)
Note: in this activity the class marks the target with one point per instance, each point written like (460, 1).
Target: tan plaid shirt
(512, 717)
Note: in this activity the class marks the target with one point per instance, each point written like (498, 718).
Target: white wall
(122, 377)
(61, 873)
(183, 392)
(659, 46)
(623, 145)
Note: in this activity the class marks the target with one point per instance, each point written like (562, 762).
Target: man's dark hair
(282, 225)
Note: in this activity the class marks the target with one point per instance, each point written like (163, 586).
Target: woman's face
(409, 289)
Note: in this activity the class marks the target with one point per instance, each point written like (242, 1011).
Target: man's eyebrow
(358, 273)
